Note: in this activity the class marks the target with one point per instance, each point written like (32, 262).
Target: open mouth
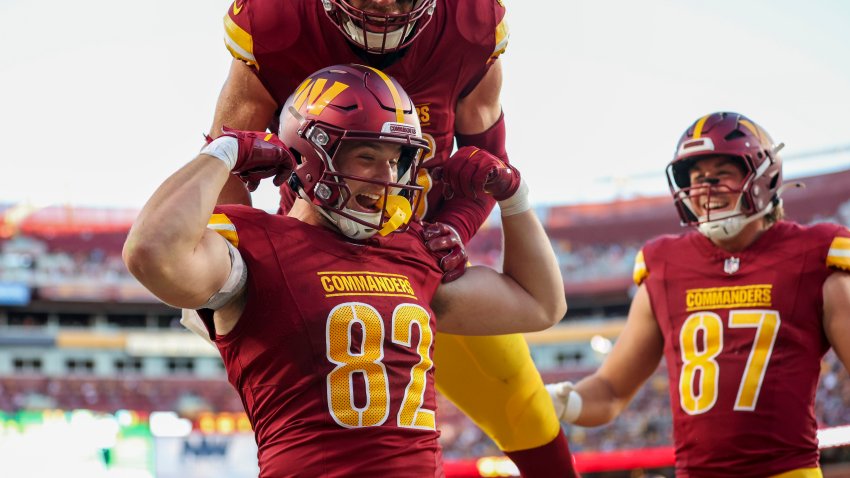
(367, 202)
(378, 25)
(715, 204)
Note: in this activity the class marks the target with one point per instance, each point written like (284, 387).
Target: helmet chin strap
(727, 228)
(397, 207)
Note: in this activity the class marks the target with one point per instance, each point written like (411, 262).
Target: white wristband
(225, 148)
(518, 203)
(573, 410)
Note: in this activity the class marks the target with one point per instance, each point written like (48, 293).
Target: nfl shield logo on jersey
(731, 265)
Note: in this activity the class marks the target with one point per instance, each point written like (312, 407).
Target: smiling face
(715, 185)
(371, 160)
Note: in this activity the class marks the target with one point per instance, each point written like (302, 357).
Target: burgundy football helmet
(378, 32)
(735, 136)
(352, 103)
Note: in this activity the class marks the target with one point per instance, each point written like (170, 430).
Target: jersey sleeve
(838, 256)
(640, 272)
(220, 223)
(237, 32)
(502, 35)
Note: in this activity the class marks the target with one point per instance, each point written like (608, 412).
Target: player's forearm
(465, 215)
(599, 403)
(530, 261)
(163, 240)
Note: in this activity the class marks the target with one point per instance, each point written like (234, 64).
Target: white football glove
(567, 401)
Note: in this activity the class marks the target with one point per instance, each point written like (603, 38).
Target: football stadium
(100, 378)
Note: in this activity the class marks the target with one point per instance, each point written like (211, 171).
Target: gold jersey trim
(639, 274)
(839, 254)
(221, 224)
(503, 34)
(239, 42)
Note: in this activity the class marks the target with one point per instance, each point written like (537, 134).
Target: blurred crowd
(647, 422)
(54, 261)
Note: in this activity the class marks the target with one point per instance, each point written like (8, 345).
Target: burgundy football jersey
(332, 355)
(287, 40)
(743, 342)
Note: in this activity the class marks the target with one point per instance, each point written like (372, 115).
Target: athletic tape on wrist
(518, 203)
(573, 409)
(225, 148)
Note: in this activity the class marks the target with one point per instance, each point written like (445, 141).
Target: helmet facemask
(376, 32)
(344, 104)
(332, 195)
(717, 224)
(732, 136)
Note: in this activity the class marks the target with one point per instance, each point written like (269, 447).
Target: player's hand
(261, 155)
(445, 243)
(472, 172)
(566, 400)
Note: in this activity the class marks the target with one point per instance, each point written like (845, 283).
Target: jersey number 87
(698, 396)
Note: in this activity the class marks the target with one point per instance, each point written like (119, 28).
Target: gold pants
(494, 382)
(801, 473)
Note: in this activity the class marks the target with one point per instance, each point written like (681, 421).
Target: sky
(100, 101)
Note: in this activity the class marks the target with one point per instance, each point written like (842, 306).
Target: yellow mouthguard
(399, 211)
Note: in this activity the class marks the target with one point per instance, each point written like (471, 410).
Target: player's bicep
(637, 351)
(197, 277)
(244, 102)
(484, 302)
(836, 314)
(481, 108)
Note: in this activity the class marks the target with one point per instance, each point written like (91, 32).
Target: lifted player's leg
(495, 383)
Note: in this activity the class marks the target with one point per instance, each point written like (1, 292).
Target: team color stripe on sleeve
(640, 273)
(238, 41)
(221, 224)
(502, 36)
(839, 253)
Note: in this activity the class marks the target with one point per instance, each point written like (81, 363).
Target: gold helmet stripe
(753, 128)
(698, 127)
(399, 111)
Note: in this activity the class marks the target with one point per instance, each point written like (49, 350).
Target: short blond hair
(776, 215)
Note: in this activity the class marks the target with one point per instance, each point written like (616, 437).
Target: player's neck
(748, 235)
(306, 213)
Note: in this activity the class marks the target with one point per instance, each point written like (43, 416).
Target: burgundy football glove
(261, 155)
(472, 171)
(445, 243)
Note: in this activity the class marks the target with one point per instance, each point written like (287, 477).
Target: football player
(743, 310)
(325, 317)
(446, 55)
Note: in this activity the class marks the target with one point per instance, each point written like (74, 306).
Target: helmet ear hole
(746, 204)
(774, 181)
